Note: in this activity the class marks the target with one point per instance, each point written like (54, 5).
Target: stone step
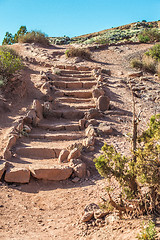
(77, 93)
(77, 75)
(74, 84)
(66, 114)
(57, 136)
(74, 72)
(73, 100)
(73, 79)
(80, 105)
(60, 126)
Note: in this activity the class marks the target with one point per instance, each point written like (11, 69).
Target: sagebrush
(78, 52)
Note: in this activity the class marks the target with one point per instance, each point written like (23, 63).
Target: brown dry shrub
(78, 52)
(34, 37)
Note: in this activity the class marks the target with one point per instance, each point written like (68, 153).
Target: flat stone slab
(17, 175)
(56, 173)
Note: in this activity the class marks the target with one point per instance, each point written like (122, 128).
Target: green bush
(34, 37)
(10, 63)
(148, 232)
(134, 173)
(78, 52)
(149, 35)
(10, 39)
(154, 52)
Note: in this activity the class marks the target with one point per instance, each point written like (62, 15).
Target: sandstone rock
(89, 141)
(97, 92)
(31, 117)
(79, 167)
(19, 128)
(89, 131)
(37, 106)
(135, 74)
(87, 216)
(11, 142)
(76, 179)
(100, 78)
(7, 154)
(82, 123)
(103, 103)
(17, 175)
(2, 168)
(56, 173)
(92, 113)
(99, 214)
(93, 122)
(106, 71)
(27, 129)
(91, 207)
(75, 153)
(47, 108)
(105, 129)
(63, 156)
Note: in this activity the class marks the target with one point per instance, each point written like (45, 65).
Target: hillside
(50, 112)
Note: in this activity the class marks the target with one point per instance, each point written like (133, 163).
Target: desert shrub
(147, 64)
(136, 172)
(34, 37)
(154, 52)
(10, 63)
(149, 35)
(148, 232)
(78, 52)
(136, 63)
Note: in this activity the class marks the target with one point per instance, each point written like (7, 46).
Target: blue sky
(73, 17)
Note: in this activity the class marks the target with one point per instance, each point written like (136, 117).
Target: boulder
(2, 168)
(135, 74)
(63, 156)
(56, 173)
(47, 108)
(92, 113)
(79, 167)
(75, 153)
(30, 117)
(103, 103)
(82, 124)
(89, 131)
(37, 106)
(27, 129)
(17, 175)
(106, 129)
(11, 142)
(87, 216)
(7, 154)
(97, 92)
(90, 141)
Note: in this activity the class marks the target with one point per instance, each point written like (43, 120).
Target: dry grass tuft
(34, 37)
(78, 52)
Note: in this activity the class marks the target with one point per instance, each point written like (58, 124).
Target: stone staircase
(44, 150)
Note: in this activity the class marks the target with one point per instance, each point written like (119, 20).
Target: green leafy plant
(132, 174)
(148, 232)
(154, 52)
(10, 63)
(149, 35)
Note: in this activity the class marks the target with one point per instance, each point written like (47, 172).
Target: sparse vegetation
(78, 52)
(154, 52)
(10, 63)
(34, 37)
(149, 35)
(132, 174)
(148, 232)
(10, 39)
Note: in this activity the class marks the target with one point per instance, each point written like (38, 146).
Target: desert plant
(149, 35)
(10, 39)
(132, 174)
(136, 63)
(10, 63)
(78, 52)
(34, 37)
(148, 232)
(154, 52)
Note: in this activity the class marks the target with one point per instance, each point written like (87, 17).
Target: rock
(19, 128)
(97, 92)
(82, 123)
(87, 216)
(27, 129)
(56, 173)
(30, 117)
(106, 71)
(7, 154)
(100, 78)
(105, 129)
(47, 108)
(93, 122)
(135, 74)
(11, 142)
(92, 113)
(2, 168)
(89, 131)
(17, 175)
(90, 141)
(91, 207)
(37, 106)
(76, 179)
(63, 156)
(103, 103)
(79, 167)
(111, 219)
(75, 153)
(99, 214)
